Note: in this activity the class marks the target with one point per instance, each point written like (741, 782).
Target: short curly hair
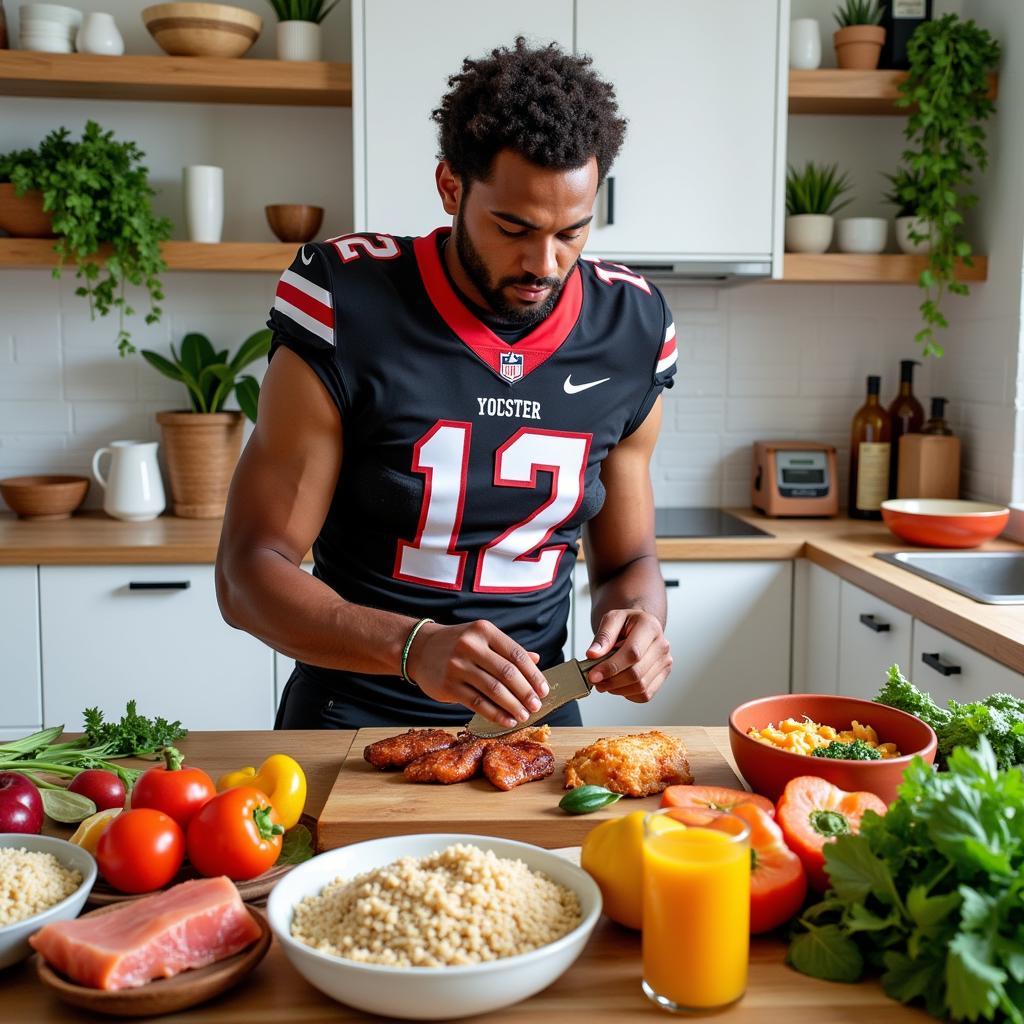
(547, 105)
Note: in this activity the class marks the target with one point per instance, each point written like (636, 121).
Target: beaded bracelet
(408, 646)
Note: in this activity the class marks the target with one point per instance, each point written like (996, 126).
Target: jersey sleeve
(302, 319)
(663, 369)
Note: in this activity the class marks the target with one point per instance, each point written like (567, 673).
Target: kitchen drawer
(19, 647)
(153, 633)
(978, 674)
(872, 636)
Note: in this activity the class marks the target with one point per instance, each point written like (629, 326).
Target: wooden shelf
(835, 91)
(175, 79)
(855, 268)
(271, 257)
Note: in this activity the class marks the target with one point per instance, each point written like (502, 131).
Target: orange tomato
(715, 798)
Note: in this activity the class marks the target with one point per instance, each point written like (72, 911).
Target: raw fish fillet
(190, 925)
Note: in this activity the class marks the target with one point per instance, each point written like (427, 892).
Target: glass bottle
(870, 444)
(906, 416)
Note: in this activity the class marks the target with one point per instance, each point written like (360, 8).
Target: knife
(566, 682)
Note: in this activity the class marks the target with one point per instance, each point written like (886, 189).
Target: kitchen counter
(603, 985)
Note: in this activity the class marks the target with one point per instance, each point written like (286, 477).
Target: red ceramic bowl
(767, 769)
(942, 523)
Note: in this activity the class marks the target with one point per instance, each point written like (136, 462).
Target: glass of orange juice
(696, 918)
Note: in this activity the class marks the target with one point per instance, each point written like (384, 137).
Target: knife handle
(589, 663)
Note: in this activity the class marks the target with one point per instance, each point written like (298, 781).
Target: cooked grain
(31, 883)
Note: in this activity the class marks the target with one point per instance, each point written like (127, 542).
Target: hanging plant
(950, 61)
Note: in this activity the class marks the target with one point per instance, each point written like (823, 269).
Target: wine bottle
(937, 424)
(900, 18)
(870, 441)
(906, 416)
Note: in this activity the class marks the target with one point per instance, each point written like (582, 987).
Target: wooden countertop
(841, 545)
(603, 985)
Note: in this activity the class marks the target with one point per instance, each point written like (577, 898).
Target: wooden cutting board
(365, 803)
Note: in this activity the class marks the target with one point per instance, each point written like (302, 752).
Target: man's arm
(279, 497)
(628, 590)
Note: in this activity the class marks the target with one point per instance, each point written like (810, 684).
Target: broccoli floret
(858, 750)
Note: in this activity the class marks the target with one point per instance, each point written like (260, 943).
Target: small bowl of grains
(42, 880)
(434, 927)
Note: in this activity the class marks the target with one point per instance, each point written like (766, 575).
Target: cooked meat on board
(398, 751)
(637, 765)
(457, 763)
(507, 765)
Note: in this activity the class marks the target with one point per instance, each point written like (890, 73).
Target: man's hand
(643, 659)
(478, 666)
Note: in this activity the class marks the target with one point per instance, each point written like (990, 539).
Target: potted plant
(812, 197)
(21, 216)
(201, 444)
(913, 234)
(859, 39)
(97, 193)
(299, 36)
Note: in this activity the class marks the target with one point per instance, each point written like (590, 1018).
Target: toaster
(794, 478)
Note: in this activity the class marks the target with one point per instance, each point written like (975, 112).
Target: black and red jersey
(470, 464)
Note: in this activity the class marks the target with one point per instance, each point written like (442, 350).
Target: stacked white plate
(50, 28)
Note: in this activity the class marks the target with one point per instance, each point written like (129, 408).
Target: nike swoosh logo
(575, 389)
(306, 260)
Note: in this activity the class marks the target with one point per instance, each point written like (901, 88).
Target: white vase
(920, 226)
(808, 232)
(804, 44)
(299, 40)
(204, 202)
(98, 34)
(862, 234)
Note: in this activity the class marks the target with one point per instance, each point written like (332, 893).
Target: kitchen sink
(992, 577)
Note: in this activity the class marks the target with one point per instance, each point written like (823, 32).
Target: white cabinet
(946, 669)
(153, 633)
(19, 649)
(872, 636)
(729, 627)
(815, 629)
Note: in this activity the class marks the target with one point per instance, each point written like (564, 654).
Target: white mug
(204, 202)
(804, 44)
(98, 34)
(134, 489)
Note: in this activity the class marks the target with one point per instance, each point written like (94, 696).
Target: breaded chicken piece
(535, 734)
(455, 764)
(508, 765)
(636, 765)
(398, 751)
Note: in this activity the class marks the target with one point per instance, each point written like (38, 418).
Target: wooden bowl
(944, 523)
(295, 222)
(202, 30)
(23, 216)
(44, 497)
(767, 769)
(164, 995)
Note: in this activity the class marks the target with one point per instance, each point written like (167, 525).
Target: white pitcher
(134, 490)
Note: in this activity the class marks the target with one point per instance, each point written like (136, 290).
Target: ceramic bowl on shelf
(202, 30)
(295, 222)
(862, 234)
(944, 522)
(44, 497)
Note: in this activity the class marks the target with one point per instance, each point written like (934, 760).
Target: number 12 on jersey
(505, 565)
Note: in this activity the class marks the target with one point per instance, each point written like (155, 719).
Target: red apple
(21, 806)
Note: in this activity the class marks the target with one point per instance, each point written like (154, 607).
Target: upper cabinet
(683, 191)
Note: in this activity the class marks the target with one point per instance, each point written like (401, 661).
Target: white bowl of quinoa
(42, 879)
(434, 927)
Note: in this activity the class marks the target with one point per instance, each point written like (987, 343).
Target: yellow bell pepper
(281, 778)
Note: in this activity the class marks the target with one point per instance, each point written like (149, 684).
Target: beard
(492, 292)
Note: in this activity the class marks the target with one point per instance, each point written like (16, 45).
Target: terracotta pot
(23, 216)
(294, 222)
(858, 47)
(201, 449)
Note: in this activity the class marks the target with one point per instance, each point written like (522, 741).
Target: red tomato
(103, 788)
(237, 834)
(812, 812)
(141, 850)
(778, 883)
(715, 798)
(178, 792)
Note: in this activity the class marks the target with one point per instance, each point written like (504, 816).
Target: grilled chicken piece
(398, 751)
(508, 765)
(637, 765)
(454, 764)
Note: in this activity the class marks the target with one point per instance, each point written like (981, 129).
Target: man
(442, 416)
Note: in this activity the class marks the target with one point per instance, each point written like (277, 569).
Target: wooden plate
(255, 890)
(165, 995)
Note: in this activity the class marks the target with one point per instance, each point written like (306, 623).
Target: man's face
(518, 235)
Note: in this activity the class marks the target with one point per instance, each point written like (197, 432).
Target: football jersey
(470, 464)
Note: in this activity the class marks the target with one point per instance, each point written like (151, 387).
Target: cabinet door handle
(935, 661)
(609, 218)
(671, 583)
(872, 623)
(160, 585)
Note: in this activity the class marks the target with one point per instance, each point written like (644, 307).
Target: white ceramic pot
(862, 234)
(920, 226)
(809, 232)
(45, 42)
(99, 34)
(203, 188)
(299, 40)
(134, 488)
(804, 44)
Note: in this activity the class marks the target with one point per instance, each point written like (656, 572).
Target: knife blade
(566, 682)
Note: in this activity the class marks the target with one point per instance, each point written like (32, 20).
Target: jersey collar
(509, 362)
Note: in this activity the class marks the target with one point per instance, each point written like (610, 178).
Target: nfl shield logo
(511, 366)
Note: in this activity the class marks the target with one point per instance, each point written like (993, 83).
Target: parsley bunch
(931, 894)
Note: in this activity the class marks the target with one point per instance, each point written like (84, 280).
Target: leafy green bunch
(210, 376)
(302, 10)
(859, 12)
(98, 193)
(947, 85)
(906, 186)
(816, 189)
(931, 894)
